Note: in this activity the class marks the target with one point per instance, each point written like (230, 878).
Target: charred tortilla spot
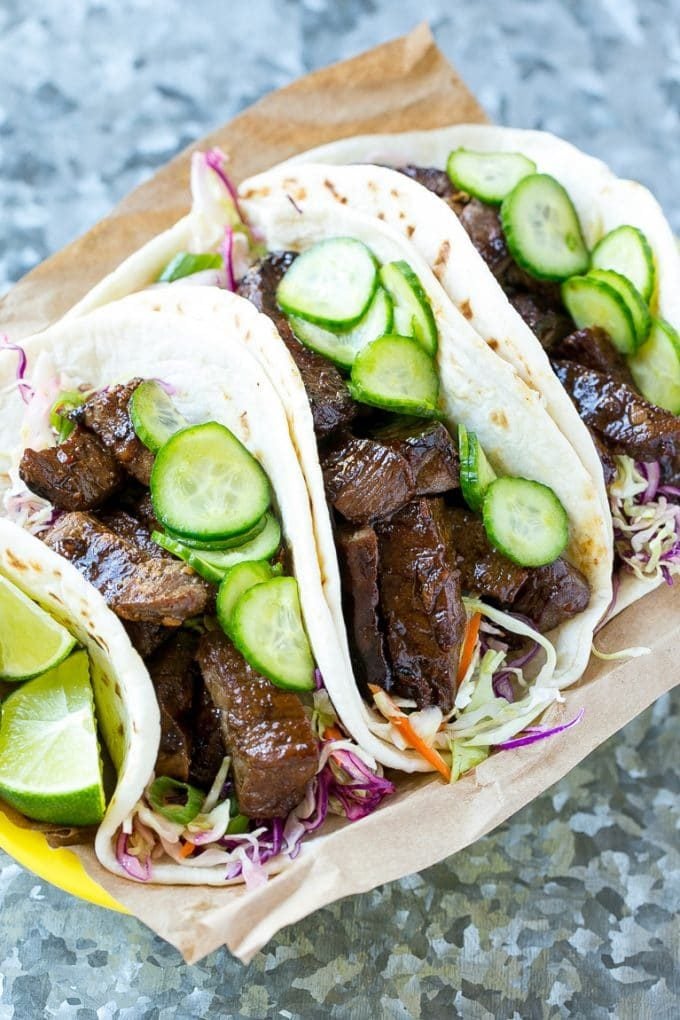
(493, 344)
(466, 310)
(442, 258)
(500, 418)
(14, 562)
(335, 193)
(410, 229)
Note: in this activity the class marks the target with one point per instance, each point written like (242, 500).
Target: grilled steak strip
(552, 594)
(483, 570)
(332, 407)
(365, 480)
(421, 603)
(546, 595)
(592, 348)
(135, 586)
(207, 745)
(358, 558)
(273, 748)
(146, 638)
(106, 414)
(79, 474)
(624, 420)
(428, 448)
(369, 478)
(135, 531)
(172, 672)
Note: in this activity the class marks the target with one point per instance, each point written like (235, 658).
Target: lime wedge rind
(31, 641)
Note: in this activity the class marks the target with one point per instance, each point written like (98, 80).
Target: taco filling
(619, 364)
(252, 755)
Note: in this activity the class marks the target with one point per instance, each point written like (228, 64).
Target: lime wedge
(50, 768)
(30, 640)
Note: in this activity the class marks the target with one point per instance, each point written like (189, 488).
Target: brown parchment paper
(401, 85)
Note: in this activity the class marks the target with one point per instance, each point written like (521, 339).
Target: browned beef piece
(273, 748)
(79, 474)
(172, 670)
(106, 414)
(483, 570)
(483, 225)
(547, 595)
(133, 530)
(358, 557)
(544, 317)
(365, 480)
(593, 348)
(135, 586)
(207, 745)
(553, 594)
(624, 420)
(332, 407)
(606, 458)
(438, 182)
(421, 603)
(429, 450)
(146, 638)
(369, 478)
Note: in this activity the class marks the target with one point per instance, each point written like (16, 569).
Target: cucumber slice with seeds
(266, 627)
(591, 302)
(525, 521)
(237, 581)
(332, 283)
(154, 416)
(627, 251)
(476, 474)
(542, 229)
(656, 367)
(206, 485)
(213, 564)
(489, 176)
(642, 320)
(342, 348)
(413, 312)
(395, 372)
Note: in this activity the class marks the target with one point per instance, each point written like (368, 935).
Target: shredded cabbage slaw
(646, 518)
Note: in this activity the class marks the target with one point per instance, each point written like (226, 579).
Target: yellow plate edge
(60, 867)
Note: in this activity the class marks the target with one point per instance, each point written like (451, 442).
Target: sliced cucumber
(489, 176)
(476, 474)
(342, 348)
(627, 251)
(205, 484)
(525, 521)
(396, 373)
(656, 366)
(213, 564)
(220, 544)
(592, 302)
(186, 264)
(154, 416)
(542, 229)
(238, 580)
(412, 308)
(267, 628)
(332, 283)
(642, 320)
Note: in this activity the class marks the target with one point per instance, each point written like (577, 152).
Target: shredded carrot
(430, 754)
(186, 850)
(332, 733)
(469, 642)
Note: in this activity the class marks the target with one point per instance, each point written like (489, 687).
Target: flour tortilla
(478, 388)
(603, 201)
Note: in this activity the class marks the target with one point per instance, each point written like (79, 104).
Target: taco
(592, 304)
(156, 459)
(460, 393)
